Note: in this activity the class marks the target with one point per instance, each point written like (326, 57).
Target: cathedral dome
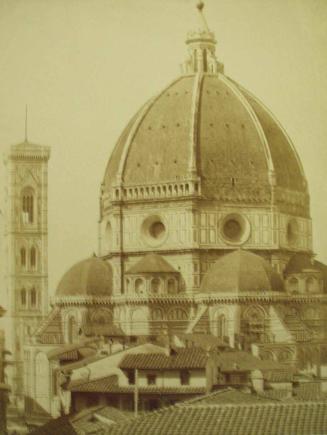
(90, 277)
(241, 272)
(204, 127)
(211, 127)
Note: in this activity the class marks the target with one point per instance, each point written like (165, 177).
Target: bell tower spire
(201, 45)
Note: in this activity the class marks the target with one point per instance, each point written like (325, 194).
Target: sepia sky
(85, 66)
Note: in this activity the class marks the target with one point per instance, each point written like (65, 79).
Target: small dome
(90, 277)
(241, 272)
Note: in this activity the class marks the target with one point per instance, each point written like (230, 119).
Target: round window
(153, 230)
(157, 230)
(235, 229)
(232, 229)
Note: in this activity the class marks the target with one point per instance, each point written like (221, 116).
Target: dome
(206, 127)
(241, 272)
(90, 277)
(236, 137)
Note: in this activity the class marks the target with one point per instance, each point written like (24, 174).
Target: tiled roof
(72, 355)
(279, 376)
(50, 330)
(110, 385)
(272, 418)
(84, 349)
(308, 391)
(227, 396)
(152, 263)
(90, 428)
(102, 385)
(107, 330)
(299, 262)
(58, 426)
(188, 358)
(96, 420)
(277, 394)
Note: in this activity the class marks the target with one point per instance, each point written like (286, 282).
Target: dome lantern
(201, 44)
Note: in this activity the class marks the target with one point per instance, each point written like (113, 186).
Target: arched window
(33, 297)
(23, 257)
(221, 326)
(171, 286)
(294, 285)
(157, 314)
(33, 258)
(128, 284)
(177, 314)
(23, 297)
(155, 285)
(139, 286)
(28, 204)
(311, 285)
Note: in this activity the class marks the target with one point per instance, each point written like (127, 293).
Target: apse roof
(151, 263)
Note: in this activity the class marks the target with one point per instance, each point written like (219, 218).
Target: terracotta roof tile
(227, 396)
(102, 385)
(188, 358)
(273, 418)
(109, 384)
(58, 426)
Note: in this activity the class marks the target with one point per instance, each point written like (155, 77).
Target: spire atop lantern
(201, 45)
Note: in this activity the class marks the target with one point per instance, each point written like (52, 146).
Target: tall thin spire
(203, 21)
(201, 47)
(26, 138)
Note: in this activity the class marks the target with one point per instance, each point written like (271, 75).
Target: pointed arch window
(28, 204)
(33, 297)
(33, 258)
(23, 257)
(23, 297)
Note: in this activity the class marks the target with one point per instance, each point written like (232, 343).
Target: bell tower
(26, 233)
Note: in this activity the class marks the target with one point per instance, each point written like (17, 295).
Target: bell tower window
(28, 204)
(33, 297)
(23, 258)
(33, 258)
(23, 297)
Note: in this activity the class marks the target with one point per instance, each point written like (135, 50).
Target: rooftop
(252, 419)
(151, 263)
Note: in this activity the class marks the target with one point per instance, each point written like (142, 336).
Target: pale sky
(84, 67)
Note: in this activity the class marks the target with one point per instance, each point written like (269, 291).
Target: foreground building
(204, 228)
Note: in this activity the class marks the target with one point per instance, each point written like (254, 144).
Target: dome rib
(279, 125)
(135, 126)
(253, 117)
(194, 132)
